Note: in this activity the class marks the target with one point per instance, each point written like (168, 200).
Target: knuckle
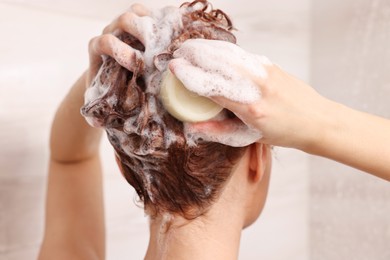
(139, 9)
(266, 85)
(92, 43)
(106, 29)
(106, 41)
(255, 110)
(124, 19)
(135, 6)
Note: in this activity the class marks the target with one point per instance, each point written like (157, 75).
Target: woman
(198, 194)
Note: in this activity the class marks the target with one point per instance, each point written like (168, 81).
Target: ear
(258, 161)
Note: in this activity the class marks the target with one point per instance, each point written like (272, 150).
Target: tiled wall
(349, 210)
(43, 49)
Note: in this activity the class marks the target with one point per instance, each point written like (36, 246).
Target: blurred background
(317, 209)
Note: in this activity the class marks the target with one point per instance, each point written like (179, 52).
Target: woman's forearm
(355, 138)
(72, 139)
(74, 211)
(74, 227)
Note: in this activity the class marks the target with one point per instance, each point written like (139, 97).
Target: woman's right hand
(289, 112)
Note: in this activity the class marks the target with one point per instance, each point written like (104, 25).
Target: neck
(215, 235)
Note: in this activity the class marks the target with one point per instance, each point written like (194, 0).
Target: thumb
(236, 107)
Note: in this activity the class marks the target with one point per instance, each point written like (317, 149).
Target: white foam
(219, 68)
(158, 31)
(169, 137)
(206, 67)
(97, 90)
(148, 180)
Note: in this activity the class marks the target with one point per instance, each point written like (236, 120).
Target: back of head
(169, 171)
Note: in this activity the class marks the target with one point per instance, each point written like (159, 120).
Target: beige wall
(43, 49)
(349, 210)
(343, 51)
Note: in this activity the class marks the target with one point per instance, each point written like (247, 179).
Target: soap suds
(214, 68)
(146, 138)
(206, 67)
(198, 65)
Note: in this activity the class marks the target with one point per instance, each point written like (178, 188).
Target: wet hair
(169, 174)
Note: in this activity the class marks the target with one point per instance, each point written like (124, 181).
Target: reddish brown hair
(178, 178)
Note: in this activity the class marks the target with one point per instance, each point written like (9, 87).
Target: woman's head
(170, 172)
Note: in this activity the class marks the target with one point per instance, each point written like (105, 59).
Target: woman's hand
(290, 113)
(74, 224)
(108, 44)
(72, 139)
(287, 113)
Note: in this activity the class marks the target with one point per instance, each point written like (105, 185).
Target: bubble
(219, 68)
(200, 69)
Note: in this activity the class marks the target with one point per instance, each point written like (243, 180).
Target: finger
(191, 76)
(223, 89)
(208, 54)
(235, 61)
(140, 10)
(231, 132)
(237, 108)
(260, 81)
(195, 79)
(198, 81)
(127, 22)
(110, 45)
(216, 127)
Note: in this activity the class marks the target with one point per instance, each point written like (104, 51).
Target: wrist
(323, 129)
(72, 139)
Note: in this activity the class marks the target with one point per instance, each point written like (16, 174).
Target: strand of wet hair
(208, 14)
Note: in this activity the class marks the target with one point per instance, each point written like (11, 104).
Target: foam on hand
(147, 115)
(134, 102)
(219, 68)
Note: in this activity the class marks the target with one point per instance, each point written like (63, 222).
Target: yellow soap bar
(183, 104)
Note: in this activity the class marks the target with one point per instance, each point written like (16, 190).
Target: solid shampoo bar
(183, 104)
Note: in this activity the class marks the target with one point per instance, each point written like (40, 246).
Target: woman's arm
(356, 139)
(292, 114)
(72, 139)
(74, 207)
